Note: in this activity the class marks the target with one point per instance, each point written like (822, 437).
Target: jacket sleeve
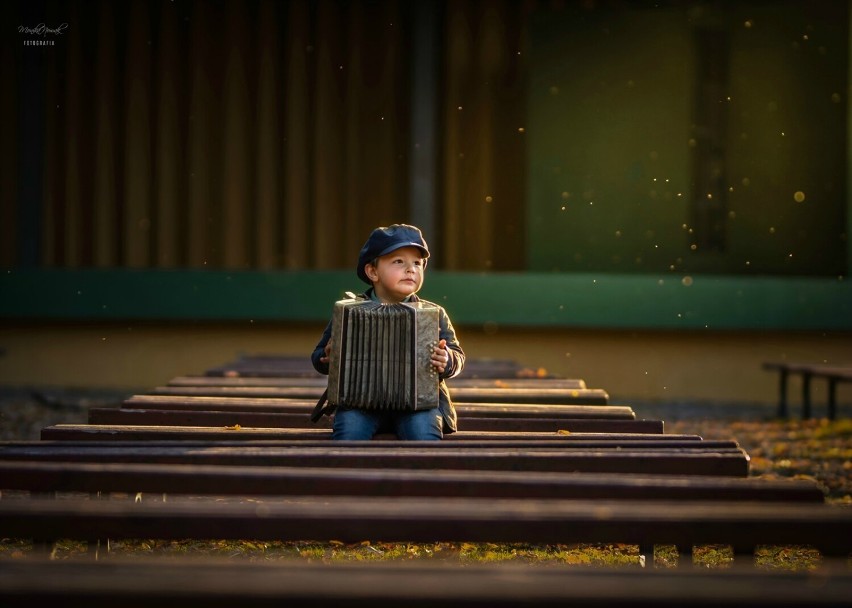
(319, 351)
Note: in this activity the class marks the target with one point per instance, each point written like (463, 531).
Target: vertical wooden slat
(169, 158)
(70, 223)
(384, 125)
(137, 160)
(53, 185)
(9, 73)
(266, 226)
(354, 202)
(200, 140)
(104, 215)
(423, 171)
(327, 228)
(457, 68)
(483, 191)
(238, 201)
(484, 176)
(396, 133)
(298, 127)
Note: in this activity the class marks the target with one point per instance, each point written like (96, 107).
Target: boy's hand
(325, 358)
(440, 357)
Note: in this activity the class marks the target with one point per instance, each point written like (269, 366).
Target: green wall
(581, 300)
(613, 138)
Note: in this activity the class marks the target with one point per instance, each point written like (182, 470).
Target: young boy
(393, 262)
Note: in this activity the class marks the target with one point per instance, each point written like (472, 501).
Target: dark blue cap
(383, 240)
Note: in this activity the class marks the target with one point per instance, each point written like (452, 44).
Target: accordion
(380, 356)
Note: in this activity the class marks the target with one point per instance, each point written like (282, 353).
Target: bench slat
(742, 525)
(306, 406)
(161, 417)
(678, 461)
(114, 431)
(322, 381)
(104, 476)
(216, 582)
(300, 365)
(575, 396)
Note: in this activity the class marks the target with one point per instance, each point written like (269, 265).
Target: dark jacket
(454, 366)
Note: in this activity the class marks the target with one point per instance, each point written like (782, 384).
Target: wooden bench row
(107, 471)
(319, 380)
(602, 457)
(279, 420)
(509, 484)
(276, 366)
(305, 406)
(218, 583)
(353, 519)
(540, 395)
(832, 374)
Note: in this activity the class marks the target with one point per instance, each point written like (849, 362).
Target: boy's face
(398, 274)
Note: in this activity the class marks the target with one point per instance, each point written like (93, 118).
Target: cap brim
(396, 246)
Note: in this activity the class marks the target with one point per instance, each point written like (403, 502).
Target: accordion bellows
(381, 355)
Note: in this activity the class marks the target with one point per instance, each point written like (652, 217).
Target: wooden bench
(202, 583)
(349, 519)
(116, 431)
(306, 406)
(111, 473)
(163, 417)
(833, 374)
(276, 365)
(322, 381)
(573, 396)
(603, 457)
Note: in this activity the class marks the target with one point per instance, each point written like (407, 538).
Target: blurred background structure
(651, 196)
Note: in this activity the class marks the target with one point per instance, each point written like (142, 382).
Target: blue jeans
(354, 424)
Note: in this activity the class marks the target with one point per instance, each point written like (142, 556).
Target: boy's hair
(383, 240)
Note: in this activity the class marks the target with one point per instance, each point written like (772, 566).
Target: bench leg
(646, 556)
(93, 548)
(782, 394)
(832, 398)
(806, 396)
(44, 547)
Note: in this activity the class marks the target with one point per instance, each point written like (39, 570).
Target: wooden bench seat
(574, 396)
(323, 430)
(162, 417)
(322, 381)
(276, 365)
(108, 475)
(833, 374)
(741, 525)
(305, 407)
(729, 461)
(206, 583)
(463, 441)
